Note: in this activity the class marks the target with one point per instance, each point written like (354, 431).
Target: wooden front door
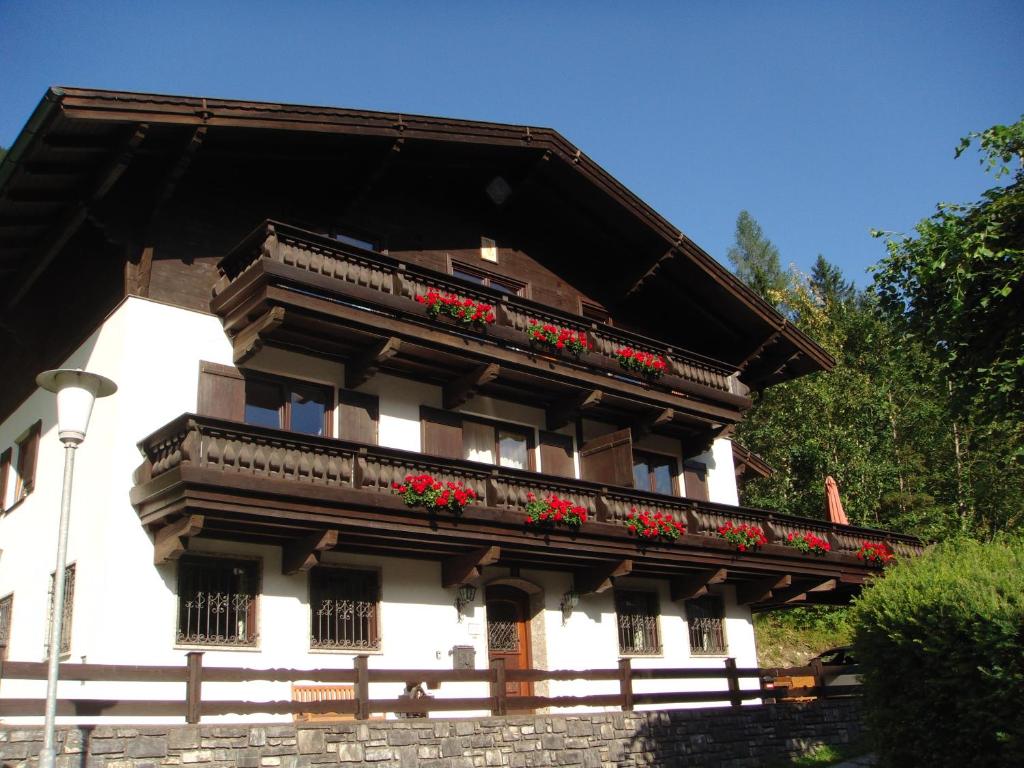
(508, 633)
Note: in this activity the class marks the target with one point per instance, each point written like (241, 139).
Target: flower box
(746, 538)
(465, 311)
(808, 543)
(645, 363)
(656, 526)
(434, 495)
(558, 339)
(875, 553)
(551, 511)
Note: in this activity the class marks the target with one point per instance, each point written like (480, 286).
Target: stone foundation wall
(744, 736)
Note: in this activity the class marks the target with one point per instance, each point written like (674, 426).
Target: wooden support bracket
(798, 592)
(562, 412)
(363, 367)
(601, 577)
(649, 424)
(465, 387)
(759, 590)
(301, 555)
(171, 541)
(695, 584)
(250, 339)
(460, 569)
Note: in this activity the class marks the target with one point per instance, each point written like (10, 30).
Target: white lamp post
(76, 392)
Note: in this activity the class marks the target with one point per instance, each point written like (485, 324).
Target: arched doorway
(508, 632)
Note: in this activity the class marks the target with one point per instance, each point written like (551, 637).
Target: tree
(828, 285)
(958, 284)
(756, 261)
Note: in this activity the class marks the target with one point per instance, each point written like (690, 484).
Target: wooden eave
(744, 459)
(75, 132)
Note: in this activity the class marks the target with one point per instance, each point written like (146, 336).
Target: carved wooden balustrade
(240, 449)
(390, 283)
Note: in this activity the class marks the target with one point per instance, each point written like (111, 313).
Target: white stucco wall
(125, 607)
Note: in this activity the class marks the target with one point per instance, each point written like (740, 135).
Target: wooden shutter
(5, 472)
(442, 432)
(608, 459)
(221, 392)
(695, 480)
(359, 416)
(28, 452)
(556, 455)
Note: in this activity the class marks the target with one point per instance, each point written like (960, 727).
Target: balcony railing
(235, 448)
(368, 277)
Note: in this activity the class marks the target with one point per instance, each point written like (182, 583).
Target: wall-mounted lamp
(569, 601)
(465, 595)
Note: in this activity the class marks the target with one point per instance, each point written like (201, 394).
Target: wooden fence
(360, 706)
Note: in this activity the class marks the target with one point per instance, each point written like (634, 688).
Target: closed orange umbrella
(834, 503)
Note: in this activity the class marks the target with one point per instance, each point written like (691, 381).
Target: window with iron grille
(706, 619)
(344, 609)
(217, 601)
(637, 614)
(6, 605)
(69, 604)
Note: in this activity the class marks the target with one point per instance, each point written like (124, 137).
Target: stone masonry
(745, 736)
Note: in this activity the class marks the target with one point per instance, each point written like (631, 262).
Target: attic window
(488, 250)
(488, 279)
(595, 312)
(351, 239)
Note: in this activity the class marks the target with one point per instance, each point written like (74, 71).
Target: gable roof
(667, 282)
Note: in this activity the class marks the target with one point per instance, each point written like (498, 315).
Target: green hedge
(941, 644)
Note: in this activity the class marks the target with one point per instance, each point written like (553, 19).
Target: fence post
(498, 690)
(819, 678)
(734, 682)
(626, 684)
(194, 686)
(362, 665)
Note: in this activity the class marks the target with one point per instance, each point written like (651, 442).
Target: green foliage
(756, 261)
(941, 644)
(958, 284)
(791, 638)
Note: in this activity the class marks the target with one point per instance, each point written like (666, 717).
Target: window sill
(723, 655)
(347, 651)
(17, 504)
(658, 655)
(242, 648)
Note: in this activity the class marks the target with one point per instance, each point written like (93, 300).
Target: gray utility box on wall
(463, 657)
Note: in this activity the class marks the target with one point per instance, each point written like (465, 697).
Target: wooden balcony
(210, 477)
(289, 288)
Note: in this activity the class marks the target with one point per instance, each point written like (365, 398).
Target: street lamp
(76, 391)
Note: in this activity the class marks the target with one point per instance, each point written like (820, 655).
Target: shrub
(941, 644)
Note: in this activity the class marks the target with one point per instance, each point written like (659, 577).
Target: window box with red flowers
(551, 511)
(434, 495)
(746, 538)
(875, 553)
(558, 339)
(465, 311)
(653, 526)
(645, 363)
(807, 543)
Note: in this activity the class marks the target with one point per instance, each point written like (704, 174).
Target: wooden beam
(465, 387)
(389, 158)
(73, 219)
(461, 569)
(250, 339)
(562, 412)
(759, 590)
(798, 592)
(601, 577)
(364, 366)
(171, 541)
(301, 555)
(650, 423)
(695, 584)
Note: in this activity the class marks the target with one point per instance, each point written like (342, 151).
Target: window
(637, 614)
(344, 609)
(488, 249)
(595, 312)
(68, 615)
(488, 279)
(494, 443)
(290, 405)
(6, 606)
(24, 474)
(706, 619)
(653, 472)
(351, 239)
(217, 601)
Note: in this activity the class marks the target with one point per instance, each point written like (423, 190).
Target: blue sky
(823, 119)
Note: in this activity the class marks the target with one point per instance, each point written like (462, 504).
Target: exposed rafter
(466, 386)
(301, 555)
(364, 366)
(250, 339)
(462, 569)
(600, 578)
(650, 423)
(798, 592)
(695, 584)
(171, 541)
(561, 413)
(389, 158)
(759, 590)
